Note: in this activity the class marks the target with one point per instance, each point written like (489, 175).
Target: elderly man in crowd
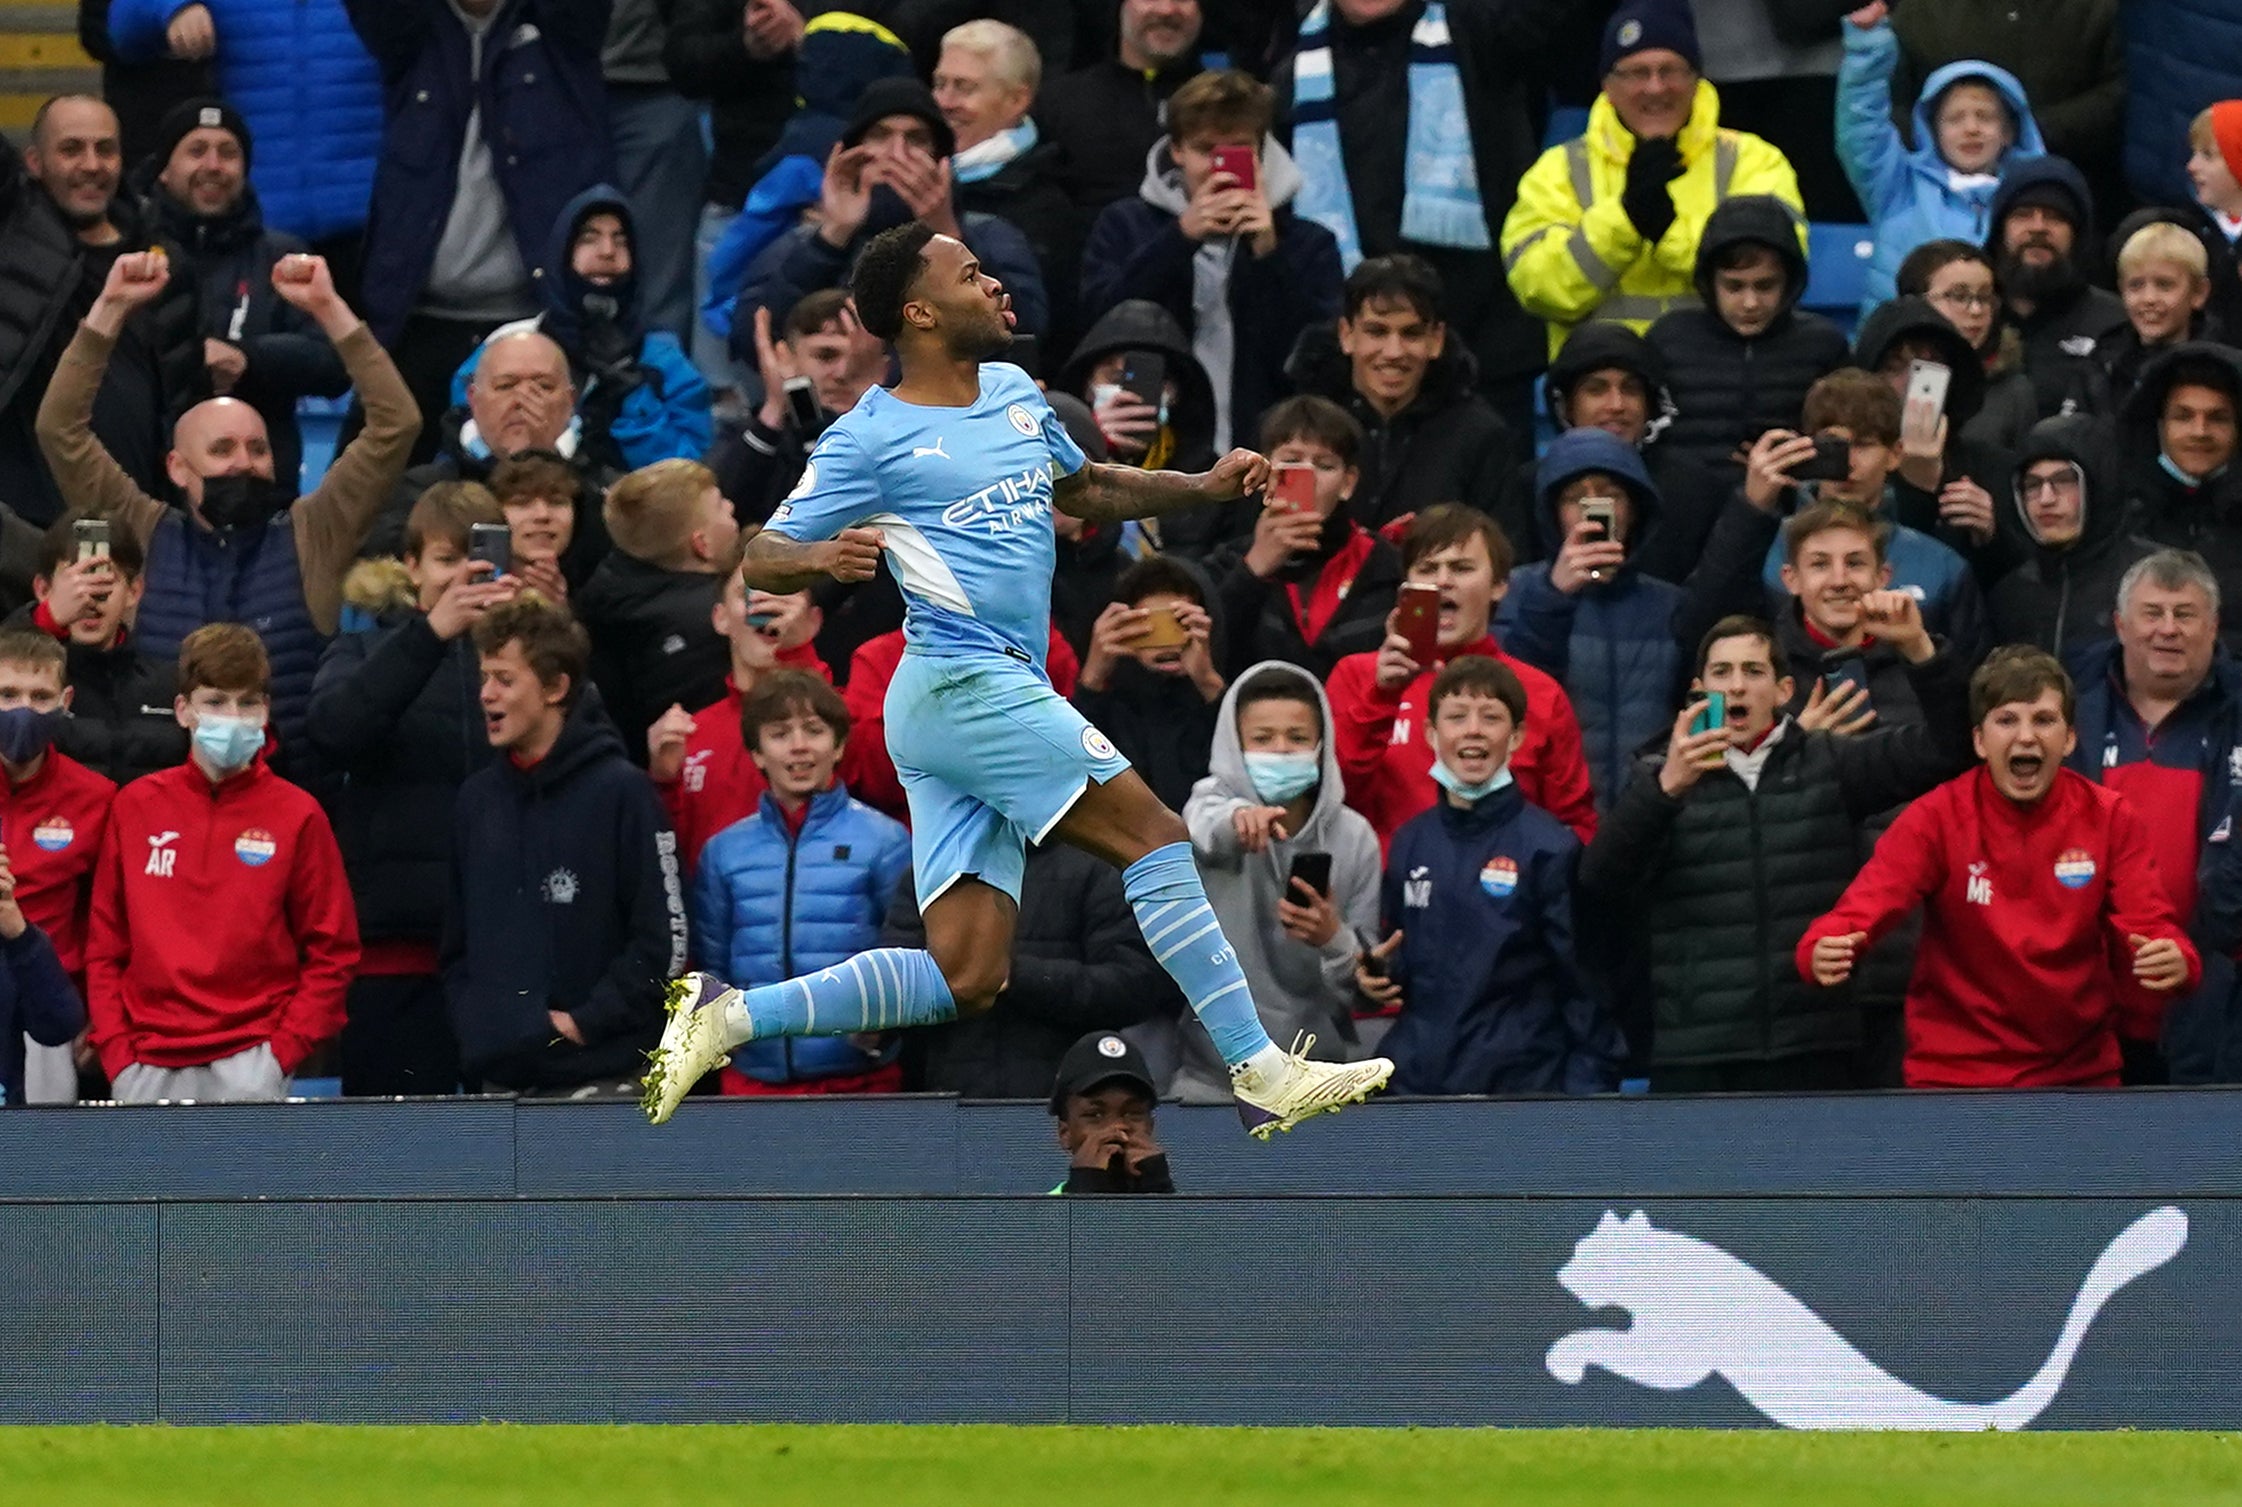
(1607, 225)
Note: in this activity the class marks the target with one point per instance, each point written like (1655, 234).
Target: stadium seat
(1565, 122)
(1837, 271)
(320, 421)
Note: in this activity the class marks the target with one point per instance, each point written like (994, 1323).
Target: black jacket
(1105, 118)
(229, 260)
(1447, 446)
(2064, 331)
(121, 723)
(2061, 598)
(2207, 516)
(652, 642)
(1079, 964)
(1508, 54)
(1161, 724)
(564, 896)
(394, 714)
(1729, 878)
(1263, 622)
(1728, 390)
(1030, 192)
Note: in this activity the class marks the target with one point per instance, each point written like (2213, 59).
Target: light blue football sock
(1179, 926)
(873, 991)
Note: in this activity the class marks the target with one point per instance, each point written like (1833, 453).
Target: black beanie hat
(189, 116)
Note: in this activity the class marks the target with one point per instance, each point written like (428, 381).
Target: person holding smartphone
(1291, 871)
(1727, 843)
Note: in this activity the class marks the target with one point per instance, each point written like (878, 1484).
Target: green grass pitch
(771, 1465)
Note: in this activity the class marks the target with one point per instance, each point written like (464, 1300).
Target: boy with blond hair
(2164, 276)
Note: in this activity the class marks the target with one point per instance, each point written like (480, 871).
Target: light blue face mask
(2171, 469)
(1100, 391)
(227, 743)
(1278, 777)
(1448, 780)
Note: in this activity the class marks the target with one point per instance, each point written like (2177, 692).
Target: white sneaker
(692, 1044)
(1302, 1089)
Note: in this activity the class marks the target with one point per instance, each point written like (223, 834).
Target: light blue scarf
(1441, 205)
(988, 158)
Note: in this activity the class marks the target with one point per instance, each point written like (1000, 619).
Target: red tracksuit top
(52, 826)
(1388, 764)
(2024, 965)
(719, 784)
(221, 919)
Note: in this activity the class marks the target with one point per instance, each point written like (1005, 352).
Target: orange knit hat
(2226, 130)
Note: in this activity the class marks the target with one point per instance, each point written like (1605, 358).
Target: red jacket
(221, 919)
(1388, 765)
(52, 826)
(2024, 966)
(871, 776)
(719, 784)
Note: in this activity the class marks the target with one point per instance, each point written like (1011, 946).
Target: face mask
(2172, 470)
(227, 743)
(1101, 391)
(1278, 777)
(242, 501)
(1447, 779)
(25, 733)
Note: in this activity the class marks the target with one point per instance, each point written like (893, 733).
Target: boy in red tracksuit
(1379, 701)
(53, 814)
(2044, 916)
(223, 936)
(698, 760)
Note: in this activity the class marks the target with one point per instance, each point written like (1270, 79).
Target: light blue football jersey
(963, 496)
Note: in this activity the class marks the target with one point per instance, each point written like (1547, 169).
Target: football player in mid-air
(953, 475)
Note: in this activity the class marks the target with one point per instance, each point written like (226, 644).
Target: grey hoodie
(1213, 339)
(1295, 987)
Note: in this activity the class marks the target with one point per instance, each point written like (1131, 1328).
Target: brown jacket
(331, 521)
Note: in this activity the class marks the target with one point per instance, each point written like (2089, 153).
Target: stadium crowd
(1632, 674)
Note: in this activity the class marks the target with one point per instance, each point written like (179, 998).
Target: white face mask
(1280, 777)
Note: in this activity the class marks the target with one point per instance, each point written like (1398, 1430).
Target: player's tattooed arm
(778, 564)
(1108, 494)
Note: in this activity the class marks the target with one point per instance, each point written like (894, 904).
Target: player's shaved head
(887, 270)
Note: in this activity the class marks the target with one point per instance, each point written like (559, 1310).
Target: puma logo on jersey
(162, 856)
(920, 451)
(1699, 1312)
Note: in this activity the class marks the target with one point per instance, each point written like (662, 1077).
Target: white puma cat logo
(1699, 1311)
(933, 449)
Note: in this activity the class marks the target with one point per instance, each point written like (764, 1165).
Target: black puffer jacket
(2206, 516)
(229, 260)
(1448, 446)
(653, 643)
(394, 713)
(1731, 877)
(1729, 389)
(121, 723)
(2061, 598)
(1030, 193)
(1079, 964)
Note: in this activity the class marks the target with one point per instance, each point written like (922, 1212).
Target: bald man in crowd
(243, 547)
(521, 400)
(62, 223)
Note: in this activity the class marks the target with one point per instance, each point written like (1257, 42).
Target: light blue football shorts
(991, 758)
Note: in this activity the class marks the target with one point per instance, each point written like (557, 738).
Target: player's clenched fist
(853, 554)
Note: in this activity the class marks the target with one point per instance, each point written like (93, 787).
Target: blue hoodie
(1910, 196)
(1492, 999)
(666, 416)
(1611, 645)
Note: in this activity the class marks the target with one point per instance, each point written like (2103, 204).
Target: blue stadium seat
(1565, 122)
(320, 421)
(1837, 270)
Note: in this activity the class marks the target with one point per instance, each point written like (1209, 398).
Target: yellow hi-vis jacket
(1572, 254)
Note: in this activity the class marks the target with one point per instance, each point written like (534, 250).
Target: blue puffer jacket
(544, 113)
(1611, 645)
(1492, 999)
(2180, 56)
(769, 904)
(1909, 195)
(663, 412)
(301, 78)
